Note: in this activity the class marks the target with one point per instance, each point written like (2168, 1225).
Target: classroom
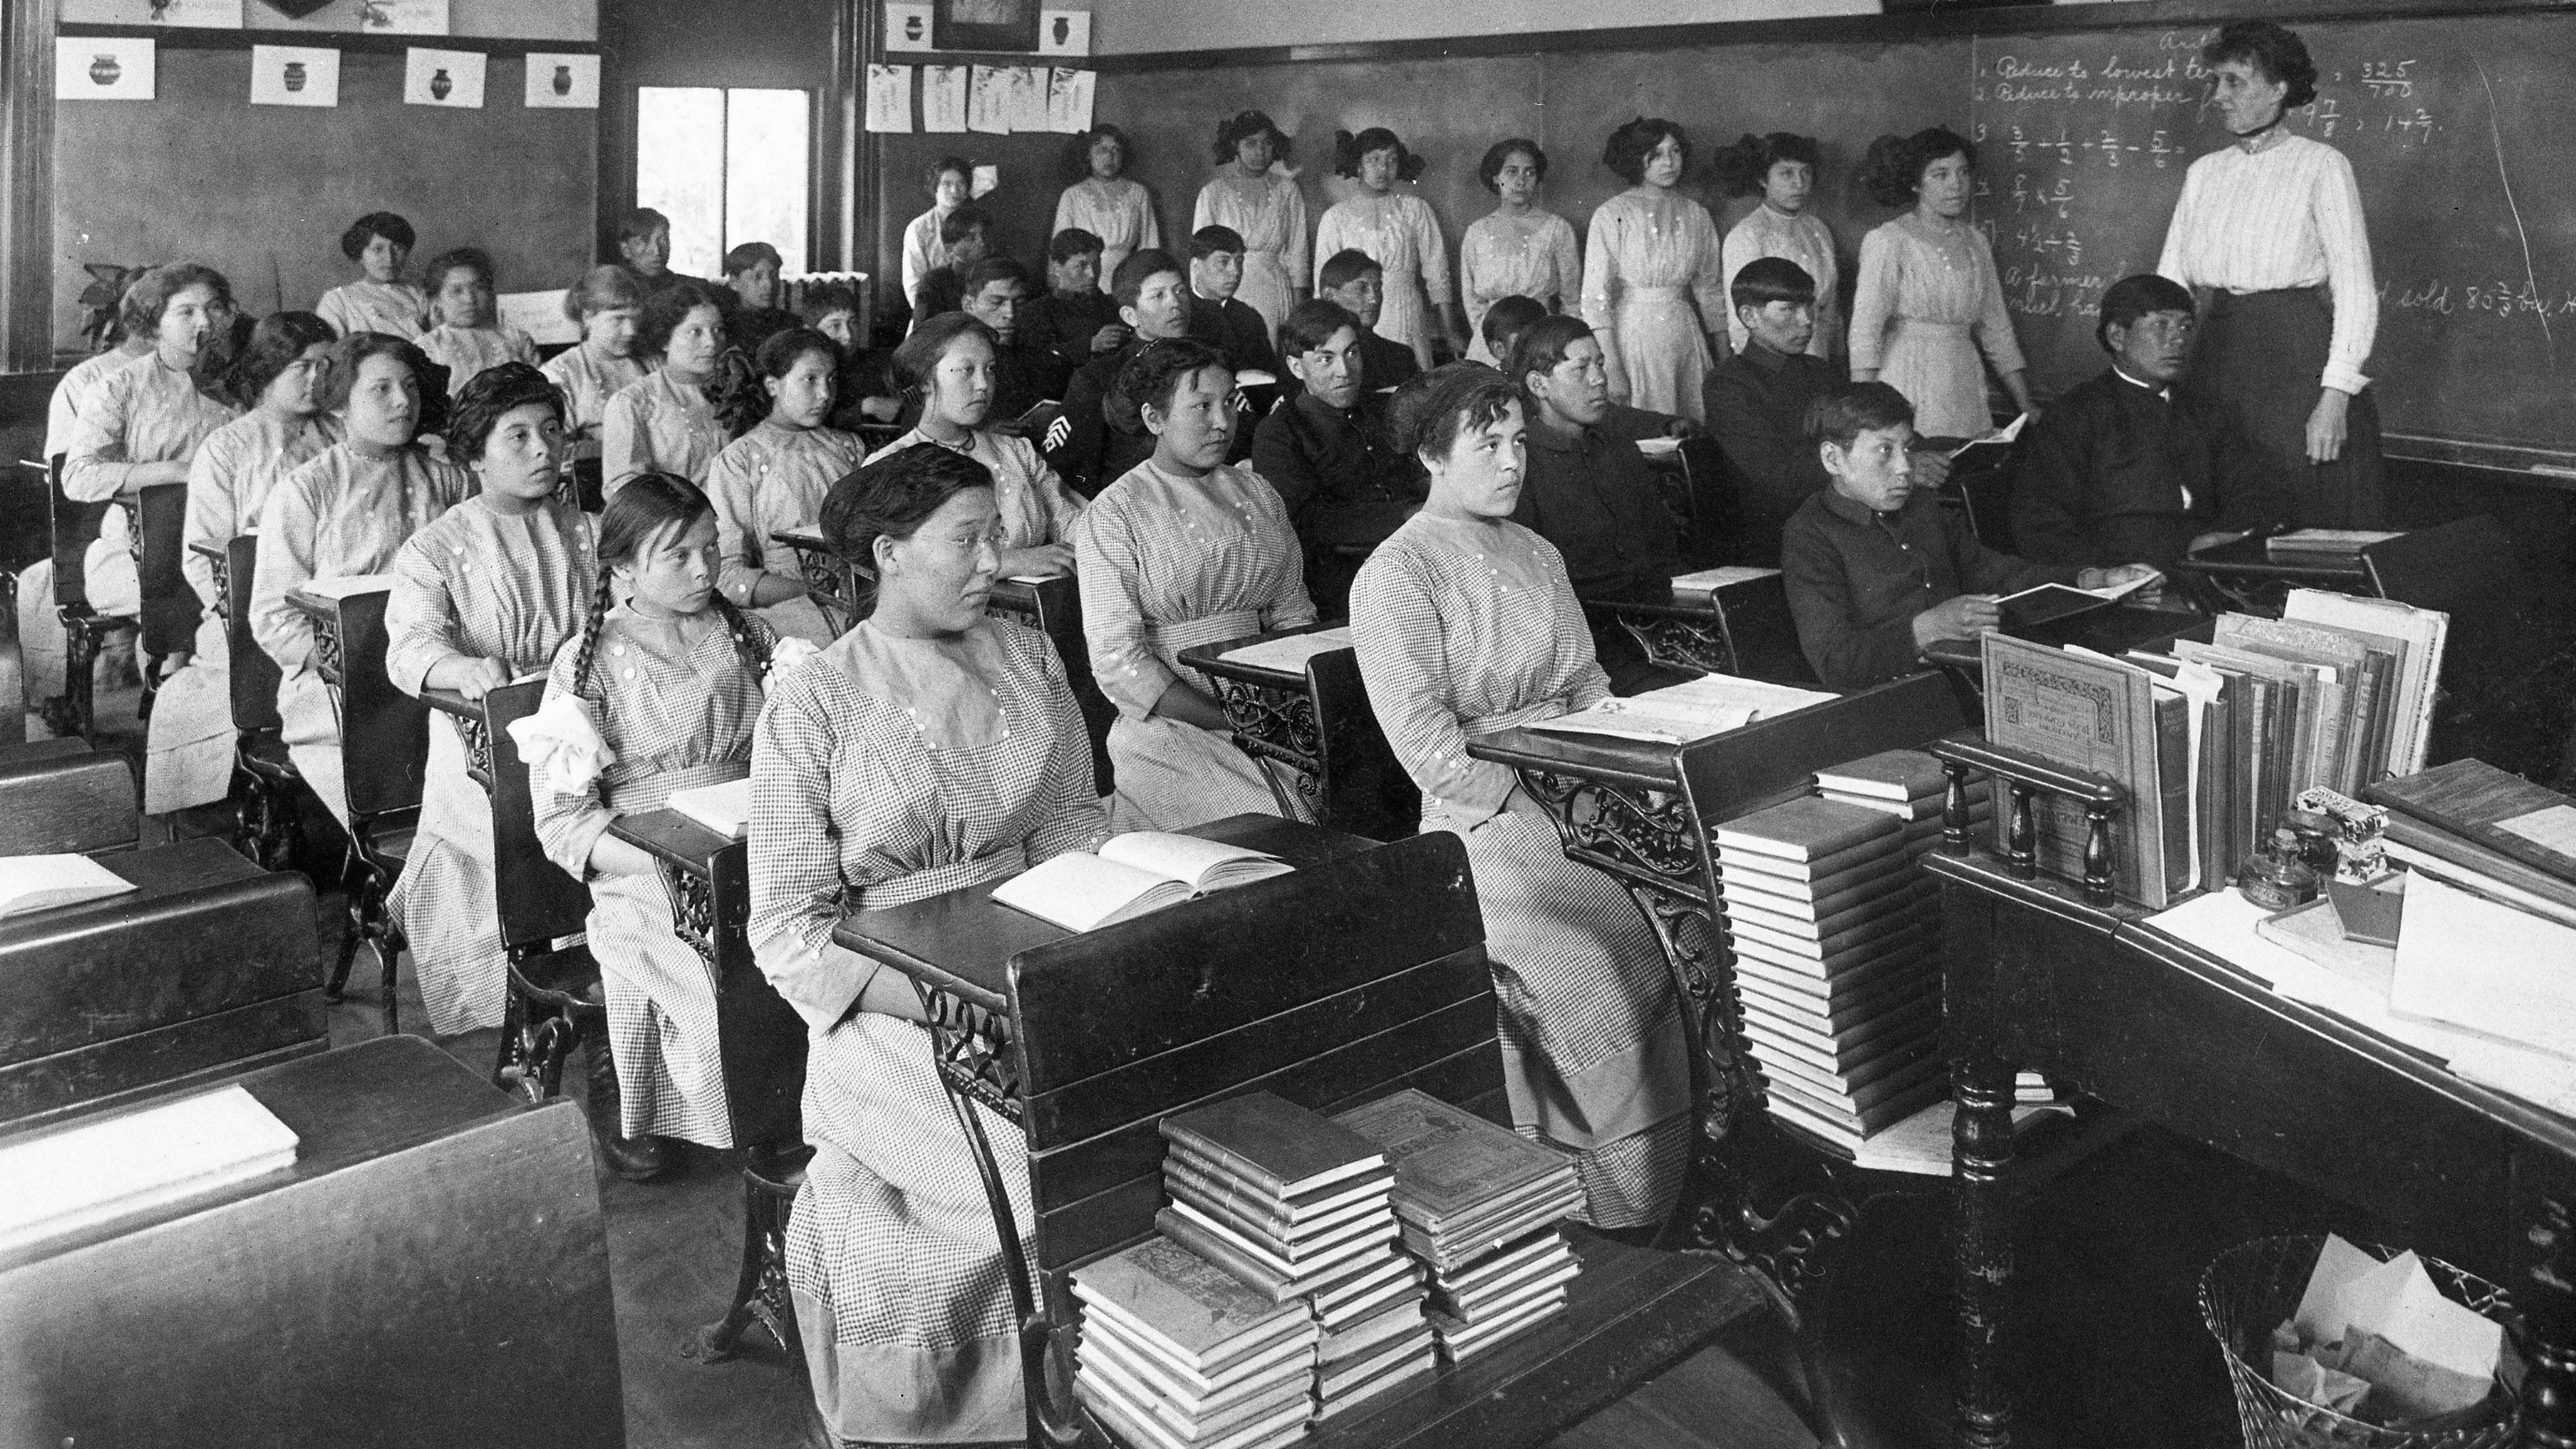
(1175, 724)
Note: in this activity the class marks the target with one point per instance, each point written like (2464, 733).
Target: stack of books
(1177, 1354)
(2471, 825)
(1300, 1210)
(1910, 785)
(2322, 545)
(1480, 1207)
(1836, 937)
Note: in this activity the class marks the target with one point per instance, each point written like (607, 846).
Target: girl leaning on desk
(928, 748)
(1466, 624)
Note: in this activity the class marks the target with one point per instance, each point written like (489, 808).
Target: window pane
(679, 171)
(766, 143)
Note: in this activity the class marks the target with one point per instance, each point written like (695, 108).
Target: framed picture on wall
(986, 25)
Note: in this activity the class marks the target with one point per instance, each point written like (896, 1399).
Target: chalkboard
(2460, 133)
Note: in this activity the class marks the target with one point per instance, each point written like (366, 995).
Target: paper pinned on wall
(890, 99)
(943, 98)
(907, 26)
(988, 179)
(988, 100)
(562, 82)
(1029, 98)
(196, 14)
(450, 78)
(1069, 100)
(404, 17)
(103, 68)
(294, 75)
(1064, 32)
(539, 314)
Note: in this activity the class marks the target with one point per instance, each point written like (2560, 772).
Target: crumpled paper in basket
(2378, 1341)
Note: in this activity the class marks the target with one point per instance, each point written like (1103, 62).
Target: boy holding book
(1877, 570)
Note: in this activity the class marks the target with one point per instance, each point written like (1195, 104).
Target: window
(728, 167)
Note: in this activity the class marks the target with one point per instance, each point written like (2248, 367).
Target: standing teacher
(2270, 231)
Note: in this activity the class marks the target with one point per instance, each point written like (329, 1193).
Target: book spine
(1256, 1276)
(2175, 787)
(1233, 1163)
(2370, 717)
(1223, 1202)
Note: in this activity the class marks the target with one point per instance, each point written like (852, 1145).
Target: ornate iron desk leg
(1277, 726)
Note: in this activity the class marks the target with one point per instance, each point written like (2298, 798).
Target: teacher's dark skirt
(2259, 356)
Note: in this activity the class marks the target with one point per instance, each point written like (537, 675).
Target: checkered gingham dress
(767, 481)
(675, 722)
(899, 1284)
(1166, 562)
(1465, 627)
(486, 586)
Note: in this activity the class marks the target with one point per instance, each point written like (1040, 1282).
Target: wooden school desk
(1087, 1041)
(1317, 722)
(834, 584)
(2247, 575)
(1642, 813)
(429, 1273)
(2041, 975)
(1743, 628)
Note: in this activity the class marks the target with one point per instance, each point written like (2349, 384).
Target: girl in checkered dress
(1465, 625)
(773, 475)
(659, 694)
(928, 748)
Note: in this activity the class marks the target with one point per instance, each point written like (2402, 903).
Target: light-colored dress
(1120, 212)
(588, 382)
(1502, 256)
(1270, 214)
(923, 251)
(143, 413)
(771, 479)
(347, 512)
(1650, 257)
(1924, 303)
(477, 584)
(190, 739)
(1803, 239)
(1036, 506)
(678, 708)
(467, 351)
(1464, 628)
(41, 642)
(1400, 233)
(658, 425)
(880, 776)
(398, 309)
(1166, 562)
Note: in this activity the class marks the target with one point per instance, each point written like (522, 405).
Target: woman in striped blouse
(2270, 232)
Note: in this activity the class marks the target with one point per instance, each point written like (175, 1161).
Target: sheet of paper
(890, 99)
(344, 586)
(1064, 32)
(943, 98)
(2005, 434)
(539, 314)
(196, 14)
(450, 78)
(404, 17)
(294, 75)
(1292, 652)
(1719, 578)
(1029, 98)
(1634, 719)
(562, 81)
(1069, 95)
(2467, 961)
(907, 25)
(988, 179)
(988, 100)
(2550, 828)
(2339, 1265)
(103, 68)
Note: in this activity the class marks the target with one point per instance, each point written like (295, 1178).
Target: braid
(740, 401)
(748, 646)
(599, 605)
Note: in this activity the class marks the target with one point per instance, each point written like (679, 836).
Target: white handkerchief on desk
(1290, 654)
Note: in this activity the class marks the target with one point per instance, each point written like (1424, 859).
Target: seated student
(670, 683)
(1465, 624)
(1757, 404)
(1077, 319)
(1592, 495)
(774, 473)
(609, 304)
(2125, 466)
(1353, 278)
(950, 364)
(1343, 487)
(380, 300)
(1216, 318)
(1094, 444)
(1876, 571)
(1507, 317)
(1183, 550)
(469, 336)
(482, 596)
(996, 294)
(863, 391)
(931, 748)
(346, 512)
(644, 240)
(751, 274)
(964, 233)
(664, 422)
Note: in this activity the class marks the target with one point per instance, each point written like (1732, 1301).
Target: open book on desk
(2000, 438)
(1712, 580)
(1133, 875)
(2044, 602)
(1291, 653)
(1692, 710)
(41, 882)
(724, 809)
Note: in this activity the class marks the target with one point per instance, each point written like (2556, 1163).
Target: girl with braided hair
(773, 475)
(659, 693)
(481, 597)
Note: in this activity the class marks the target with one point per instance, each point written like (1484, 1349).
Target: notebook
(1134, 874)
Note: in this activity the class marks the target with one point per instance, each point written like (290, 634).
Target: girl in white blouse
(950, 184)
(2270, 231)
(1651, 273)
(772, 477)
(1928, 297)
(1781, 168)
(1265, 208)
(1104, 202)
(950, 361)
(469, 338)
(1399, 233)
(380, 300)
(665, 423)
(1516, 250)
(609, 305)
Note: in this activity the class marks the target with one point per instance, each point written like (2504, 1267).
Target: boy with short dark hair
(1088, 447)
(1353, 279)
(1757, 400)
(1346, 490)
(751, 279)
(965, 232)
(1075, 320)
(1023, 376)
(1876, 569)
(1216, 318)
